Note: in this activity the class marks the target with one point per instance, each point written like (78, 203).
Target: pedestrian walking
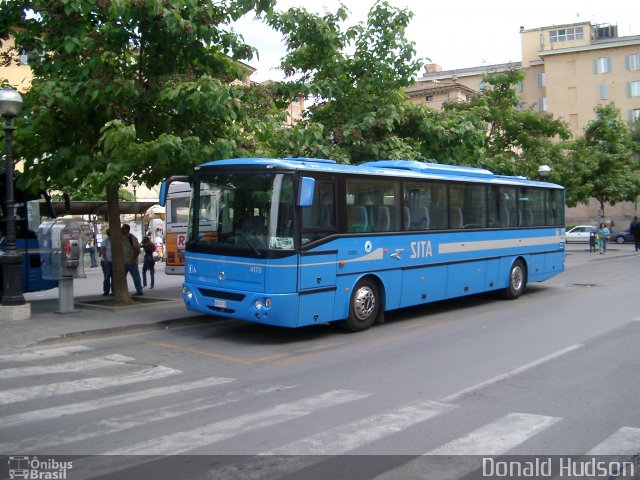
(634, 229)
(105, 263)
(131, 248)
(602, 235)
(91, 245)
(148, 262)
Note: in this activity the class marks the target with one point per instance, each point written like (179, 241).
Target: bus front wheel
(363, 306)
(517, 280)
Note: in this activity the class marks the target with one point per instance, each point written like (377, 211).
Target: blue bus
(29, 211)
(300, 241)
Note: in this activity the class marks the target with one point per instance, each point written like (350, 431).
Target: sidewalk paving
(46, 327)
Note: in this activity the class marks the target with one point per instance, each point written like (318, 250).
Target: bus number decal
(255, 269)
(421, 249)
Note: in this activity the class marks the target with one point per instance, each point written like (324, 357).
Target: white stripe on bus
(474, 246)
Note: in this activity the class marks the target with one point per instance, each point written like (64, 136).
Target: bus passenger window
(319, 220)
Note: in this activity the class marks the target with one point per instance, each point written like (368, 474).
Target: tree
(129, 89)
(357, 77)
(601, 163)
(516, 140)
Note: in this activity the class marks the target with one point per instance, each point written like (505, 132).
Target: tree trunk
(120, 290)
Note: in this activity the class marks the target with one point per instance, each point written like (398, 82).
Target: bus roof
(397, 168)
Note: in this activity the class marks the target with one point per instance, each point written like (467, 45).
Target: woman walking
(148, 262)
(602, 235)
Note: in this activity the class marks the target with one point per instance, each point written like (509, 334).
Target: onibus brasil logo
(33, 468)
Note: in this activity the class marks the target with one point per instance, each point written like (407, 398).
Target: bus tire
(517, 280)
(363, 306)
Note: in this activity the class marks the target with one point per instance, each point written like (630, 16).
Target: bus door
(318, 260)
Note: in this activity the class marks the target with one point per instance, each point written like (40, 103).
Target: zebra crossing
(120, 404)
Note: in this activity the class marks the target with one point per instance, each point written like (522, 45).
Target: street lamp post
(134, 185)
(544, 171)
(10, 261)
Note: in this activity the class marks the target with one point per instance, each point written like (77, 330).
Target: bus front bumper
(277, 309)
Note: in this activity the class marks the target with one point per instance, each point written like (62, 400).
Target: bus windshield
(242, 213)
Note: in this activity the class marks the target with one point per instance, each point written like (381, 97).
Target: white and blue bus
(298, 241)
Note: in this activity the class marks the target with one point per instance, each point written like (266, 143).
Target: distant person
(148, 262)
(91, 245)
(634, 229)
(105, 263)
(602, 235)
(131, 248)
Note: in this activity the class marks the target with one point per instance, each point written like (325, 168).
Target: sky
(442, 30)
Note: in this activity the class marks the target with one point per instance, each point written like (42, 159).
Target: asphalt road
(552, 373)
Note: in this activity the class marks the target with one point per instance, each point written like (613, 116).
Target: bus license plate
(220, 303)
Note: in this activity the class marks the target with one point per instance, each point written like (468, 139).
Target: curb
(121, 330)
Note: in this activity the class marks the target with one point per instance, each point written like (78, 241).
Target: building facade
(569, 70)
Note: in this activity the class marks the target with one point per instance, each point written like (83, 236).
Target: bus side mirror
(307, 186)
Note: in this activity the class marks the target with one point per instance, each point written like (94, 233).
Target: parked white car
(579, 233)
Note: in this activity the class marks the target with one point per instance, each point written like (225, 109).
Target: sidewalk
(89, 321)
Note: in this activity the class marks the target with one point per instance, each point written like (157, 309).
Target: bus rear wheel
(363, 306)
(517, 280)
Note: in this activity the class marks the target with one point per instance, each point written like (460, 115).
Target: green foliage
(601, 163)
(516, 140)
(356, 76)
(129, 88)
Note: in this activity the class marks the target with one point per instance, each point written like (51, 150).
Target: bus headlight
(267, 302)
(258, 304)
(187, 293)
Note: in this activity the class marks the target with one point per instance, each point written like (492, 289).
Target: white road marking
(75, 366)
(348, 437)
(96, 383)
(181, 442)
(456, 396)
(497, 437)
(108, 401)
(459, 457)
(103, 427)
(339, 440)
(625, 441)
(42, 354)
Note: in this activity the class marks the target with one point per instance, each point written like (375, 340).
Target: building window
(632, 61)
(520, 86)
(429, 98)
(24, 58)
(602, 65)
(542, 79)
(542, 104)
(604, 91)
(634, 115)
(633, 88)
(565, 35)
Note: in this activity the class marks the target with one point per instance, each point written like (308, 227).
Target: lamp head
(10, 102)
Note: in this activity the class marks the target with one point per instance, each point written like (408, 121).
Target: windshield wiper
(249, 242)
(193, 243)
